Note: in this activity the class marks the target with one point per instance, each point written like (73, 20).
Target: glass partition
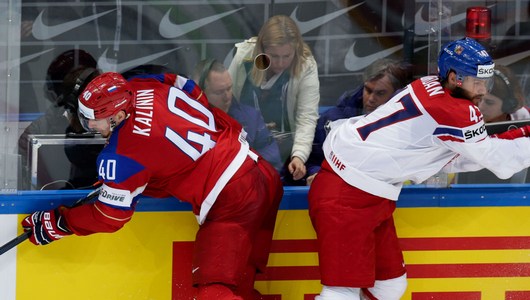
(344, 36)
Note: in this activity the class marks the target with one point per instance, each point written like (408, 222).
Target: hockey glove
(513, 133)
(46, 226)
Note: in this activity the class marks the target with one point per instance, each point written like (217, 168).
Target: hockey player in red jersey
(429, 125)
(165, 140)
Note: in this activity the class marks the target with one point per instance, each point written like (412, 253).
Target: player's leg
(225, 241)
(263, 219)
(217, 262)
(345, 220)
(391, 278)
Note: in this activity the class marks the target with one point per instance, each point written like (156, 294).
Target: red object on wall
(478, 22)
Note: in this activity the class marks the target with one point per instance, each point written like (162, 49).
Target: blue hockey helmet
(466, 57)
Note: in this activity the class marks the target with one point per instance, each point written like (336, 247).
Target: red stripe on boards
(421, 244)
(446, 296)
(468, 270)
(465, 243)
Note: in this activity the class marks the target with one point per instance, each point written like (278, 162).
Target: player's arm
(501, 156)
(113, 209)
(108, 214)
(178, 81)
(461, 163)
(187, 85)
(513, 133)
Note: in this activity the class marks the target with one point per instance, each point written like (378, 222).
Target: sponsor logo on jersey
(42, 31)
(335, 161)
(474, 133)
(306, 26)
(115, 197)
(170, 30)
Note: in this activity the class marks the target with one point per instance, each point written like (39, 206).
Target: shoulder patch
(116, 168)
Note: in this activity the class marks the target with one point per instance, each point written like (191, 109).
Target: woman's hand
(297, 168)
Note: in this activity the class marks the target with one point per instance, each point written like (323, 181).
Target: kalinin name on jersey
(432, 85)
(144, 112)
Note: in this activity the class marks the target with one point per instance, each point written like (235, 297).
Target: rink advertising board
(452, 251)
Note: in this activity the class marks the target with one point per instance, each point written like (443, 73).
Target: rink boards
(465, 244)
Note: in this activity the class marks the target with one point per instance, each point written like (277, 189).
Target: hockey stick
(24, 236)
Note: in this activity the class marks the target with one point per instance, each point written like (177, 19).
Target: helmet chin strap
(112, 124)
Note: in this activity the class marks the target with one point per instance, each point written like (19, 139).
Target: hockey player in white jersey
(430, 124)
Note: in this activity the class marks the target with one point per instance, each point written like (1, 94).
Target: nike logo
(229, 57)
(306, 26)
(352, 62)
(194, 270)
(510, 59)
(109, 64)
(169, 30)
(424, 27)
(21, 60)
(42, 31)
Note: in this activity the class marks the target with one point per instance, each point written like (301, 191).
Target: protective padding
(214, 259)
(390, 289)
(338, 293)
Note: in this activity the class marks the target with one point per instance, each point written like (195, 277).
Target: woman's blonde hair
(278, 31)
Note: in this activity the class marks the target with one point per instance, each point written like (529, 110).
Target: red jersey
(173, 144)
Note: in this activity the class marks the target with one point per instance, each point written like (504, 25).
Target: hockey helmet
(105, 96)
(466, 57)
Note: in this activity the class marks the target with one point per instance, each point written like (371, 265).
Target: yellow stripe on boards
(467, 256)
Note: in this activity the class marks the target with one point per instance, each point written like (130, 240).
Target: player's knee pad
(390, 289)
(221, 253)
(338, 293)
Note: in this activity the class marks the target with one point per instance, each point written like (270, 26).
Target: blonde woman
(276, 73)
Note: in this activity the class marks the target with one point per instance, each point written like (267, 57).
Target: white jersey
(419, 131)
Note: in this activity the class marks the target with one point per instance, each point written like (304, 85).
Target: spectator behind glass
(287, 92)
(82, 157)
(213, 78)
(505, 101)
(512, 49)
(56, 119)
(381, 79)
